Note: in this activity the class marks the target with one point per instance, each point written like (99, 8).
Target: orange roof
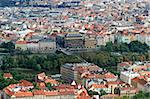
(109, 75)
(63, 86)
(99, 86)
(51, 93)
(38, 92)
(21, 42)
(83, 94)
(8, 92)
(112, 83)
(7, 75)
(140, 81)
(136, 79)
(123, 64)
(29, 34)
(93, 67)
(41, 85)
(52, 81)
(25, 83)
(93, 76)
(23, 94)
(67, 92)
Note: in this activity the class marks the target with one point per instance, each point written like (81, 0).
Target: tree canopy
(134, 46)
(38, 62)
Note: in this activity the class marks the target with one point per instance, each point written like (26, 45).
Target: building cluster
(76, 41)
(54, 3)
(77, 80)
(136, 74)
(27, 90)
(96, 79)
(89, 25)
(78, 24)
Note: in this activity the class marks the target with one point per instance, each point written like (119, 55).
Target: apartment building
(74, 71)
(127, 76)
(40, 46)
(70, 41)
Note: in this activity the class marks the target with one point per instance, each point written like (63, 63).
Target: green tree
(36, 86)
(109, 47)
(5, 82)
(49, 86)
(136, 46)
(102, 92)
(124, 47)
(37, 67)
(10, 46)
(142, 95)
(92, 92)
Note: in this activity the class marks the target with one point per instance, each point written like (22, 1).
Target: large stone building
(41, 46)
(72, 72)
(90, 41)
(70, 41)
(127, 76)
(127, 36)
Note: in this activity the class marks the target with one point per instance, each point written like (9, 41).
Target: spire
(73, 83)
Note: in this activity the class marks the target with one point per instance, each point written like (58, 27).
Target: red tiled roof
(109, 75)
(52, 81)
(23, 94)
(93, 76)
(136, 79)
(112, 83)
(123, 64)
(64, 87)
(41, 85)
(83, 94)
(8, 92)
(21, 42)
(140, 81)
(51, 93)
(99, 86)
(66, 92)
(38, 92)
(7, 75)
(25, 83)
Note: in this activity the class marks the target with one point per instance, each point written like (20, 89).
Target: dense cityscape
(74, 49)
